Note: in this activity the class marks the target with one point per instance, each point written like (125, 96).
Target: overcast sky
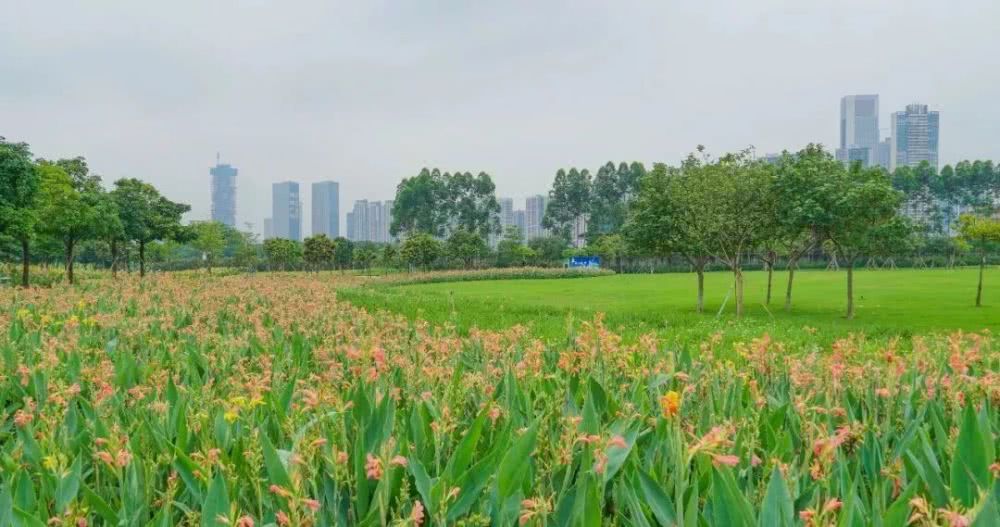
(368, 92)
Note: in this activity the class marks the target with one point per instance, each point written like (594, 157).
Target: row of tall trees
(62, 200)
(602, 199)
(733, 208)
(438, 204)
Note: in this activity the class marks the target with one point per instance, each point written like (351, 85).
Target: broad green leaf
(515, 463)
(970, 466)
(272, 463)
(215, 511)
(68, 486)
(729, 506)
(778, 509)
(657, 500)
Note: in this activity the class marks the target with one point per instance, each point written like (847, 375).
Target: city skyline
(366, 95)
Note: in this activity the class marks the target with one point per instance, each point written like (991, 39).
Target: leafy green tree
(419, 204)
(569, 199)
(611, 192)
(466, 246)
(420, 250)
(19, 185)
(282, 253)
(612, 249)
(507, 248)
(319, 251)
(246, 250)
(389, 256)
(548, 249)
(733, 196)
(803, 197)
(983, 234)
(209, 238)
(435, 203)
(146, 215)
(472, 203)
(862, 201)
(70, 214)
(666, 218)
(343, 253)
(365, 254)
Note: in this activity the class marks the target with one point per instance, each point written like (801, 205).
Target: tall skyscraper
(286, 211)
(223, 193)
(506, 212)
(519, 221)
(351, 233)
(326, 208)
(534, 212)
(859, 129)
(387, 221)
(360, 219)
(915, 137)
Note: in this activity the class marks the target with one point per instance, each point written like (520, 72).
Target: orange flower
(670, 403)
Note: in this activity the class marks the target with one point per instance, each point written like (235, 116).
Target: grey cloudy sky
(368, 92)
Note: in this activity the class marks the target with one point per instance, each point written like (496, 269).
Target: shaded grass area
(892, 303)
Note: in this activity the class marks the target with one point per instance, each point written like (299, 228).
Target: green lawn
(902, 302)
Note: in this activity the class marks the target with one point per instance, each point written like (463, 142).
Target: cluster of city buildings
(914, 134)
(366, 221)
(914, 137)
(528, 220)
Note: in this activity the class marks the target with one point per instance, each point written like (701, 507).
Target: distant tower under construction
(223, 193)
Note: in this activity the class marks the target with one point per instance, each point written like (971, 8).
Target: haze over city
(366, 94)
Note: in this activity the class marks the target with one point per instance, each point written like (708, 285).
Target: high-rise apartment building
(915, 137)
(369, 221)
(326, 208)
(286, 211)
(534, 212)
(859, 129)
(351, 226)
(519, 221)
(223, 193)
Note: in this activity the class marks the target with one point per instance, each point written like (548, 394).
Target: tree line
(728, 211)
(61, 202)
(736, 207)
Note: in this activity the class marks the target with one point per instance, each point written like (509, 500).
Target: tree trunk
(850, 290)
(979, 289)
(770, 276)
(788, 290)
(25, 261)
(114, 258)
(701, 288)
(70, 245)
(738, 288)
(142, 258)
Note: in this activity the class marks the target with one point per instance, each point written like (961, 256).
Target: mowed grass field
(903, 302)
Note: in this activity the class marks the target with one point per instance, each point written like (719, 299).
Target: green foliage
(281, 253)
(146, 216)
(209, 239)
(435, 203)
(343, 253)
(318, 251)
(465, 246)
(569, 199)
(548, 249)
(420, 250)
(231, 400)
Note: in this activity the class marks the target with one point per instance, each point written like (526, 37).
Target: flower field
(263, 400)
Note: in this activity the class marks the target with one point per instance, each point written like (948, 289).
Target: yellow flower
(670, 403)
(230, 416)
(23, 313)
(50, 462)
